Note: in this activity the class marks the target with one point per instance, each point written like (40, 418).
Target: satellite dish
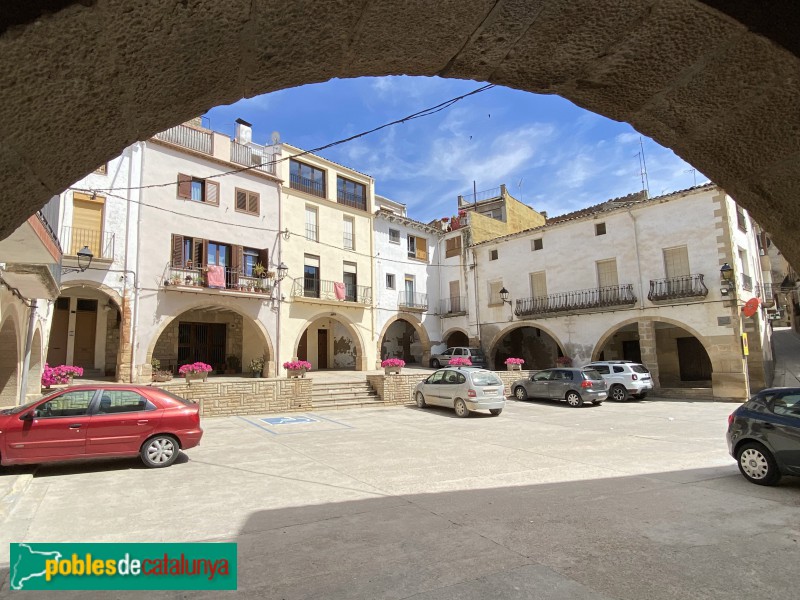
(750, 307)
(276, 138)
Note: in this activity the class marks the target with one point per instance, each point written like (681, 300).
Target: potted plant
(297, 368)
(259, 270)
(175, 279)
(564, 361)
(233, 364)
(59, 375)
(257, 366)
(459, 361)
(194, 371)
(393, 365)
(514, 364)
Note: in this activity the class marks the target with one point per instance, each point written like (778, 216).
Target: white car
(625, 378)
(464, 389)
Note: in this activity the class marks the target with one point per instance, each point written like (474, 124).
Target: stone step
(351, 403)
(338, 392)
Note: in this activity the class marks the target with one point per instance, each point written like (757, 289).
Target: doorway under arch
(405, 338)
(535, 346)
(330, 343)
(456, 338)
(9, 363)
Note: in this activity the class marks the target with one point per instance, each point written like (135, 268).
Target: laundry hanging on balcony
(216, 276)
(339, 290)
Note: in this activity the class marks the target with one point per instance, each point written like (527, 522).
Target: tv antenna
(643, 168)
(276, 138)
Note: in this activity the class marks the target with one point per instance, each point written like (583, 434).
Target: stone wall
(395, 389)
(241, 397)
(167, 345)
(112, 342)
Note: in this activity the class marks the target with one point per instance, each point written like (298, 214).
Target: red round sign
(750, 307)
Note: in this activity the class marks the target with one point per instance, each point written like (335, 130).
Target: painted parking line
(307, 423)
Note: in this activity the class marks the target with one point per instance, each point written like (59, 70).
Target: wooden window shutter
(212, 192)
(252, 203)
(241, 200)
(237, 258)
(197, 252)
(184, 186)
(422, 248)
(263, 258)
(204, 251)
(177, 250)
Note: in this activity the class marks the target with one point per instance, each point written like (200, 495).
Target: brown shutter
(184, 186)
(212, 192)
(252, 203)
(237, 258)
(422, 248)
(177, 250)
(204, 251)
(197, 252)
(263, 258)
(241, 200)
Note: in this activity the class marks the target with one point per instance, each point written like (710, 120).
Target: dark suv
(764, 435)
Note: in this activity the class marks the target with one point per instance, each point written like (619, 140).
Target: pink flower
(60, 374)
(198, 367)
(393, 362)
(458, 361)
(297, 365)
(514, 361)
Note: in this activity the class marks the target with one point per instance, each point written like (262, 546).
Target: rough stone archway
(35, 368)
(9, 362)
(503, 333)
(713, 80)
(456, 336)
(424, 338)
(359, 356)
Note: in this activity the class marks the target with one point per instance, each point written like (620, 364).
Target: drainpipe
(26, 360)
(135, 313)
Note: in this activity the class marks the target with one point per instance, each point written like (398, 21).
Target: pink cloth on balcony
(338, 290)
(216, 276)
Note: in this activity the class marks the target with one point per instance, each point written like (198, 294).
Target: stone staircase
(348, 394)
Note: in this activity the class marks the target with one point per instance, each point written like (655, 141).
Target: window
(306, 178)
(619, 369)
(787, 404)
(187, 252)
(351, 193)
(493, 254)
(348, 241)
(311, 282)
(350, 281)
(538, 284)
(417, 248)
(102, 169)
(118, 401)
(607, 273)
(394, 236)
(599, 228)
(311, 224)
(247, 202)
(537, 244)
(249, 261)
(68, 404)
(453, 246)
(494, 293)
(676, 262)
(198, 190)
(390, 281)
(409, 291)
(741, 220)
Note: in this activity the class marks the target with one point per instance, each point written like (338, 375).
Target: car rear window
(176, 397)
(592, 375)
(639, 369)
(476, 353)
(486, 378)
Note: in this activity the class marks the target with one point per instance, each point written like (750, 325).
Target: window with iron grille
(312, 231)
(198, 190)
(348, 241)
(247, 202)
(351, 193)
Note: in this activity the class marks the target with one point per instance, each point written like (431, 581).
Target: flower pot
(296, 373)
(196, 376)
(256, 373)
(514, 367)
(391, 370)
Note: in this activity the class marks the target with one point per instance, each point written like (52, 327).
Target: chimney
(244, 132)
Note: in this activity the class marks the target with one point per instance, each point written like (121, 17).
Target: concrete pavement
(628, 501)
(786, 344)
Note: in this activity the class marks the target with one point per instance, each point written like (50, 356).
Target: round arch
(455, 331)
(518, 325)
(35, 366)
(349, 326)
(115, 296)
(415, 323)
(617, 326)
(9, 361)
(202, 304)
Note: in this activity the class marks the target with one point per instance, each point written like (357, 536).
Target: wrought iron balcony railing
(747, 282)
(767, 293)
(309, 186)
(101, 243)
(188, 137)
(350, 199)
(673, 288)
(412, 300)
(259, 159)
(455, 305)
(597, 298)
(231, 279)
(308, 287)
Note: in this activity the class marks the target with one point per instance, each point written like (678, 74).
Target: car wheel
(520, 393)
(421, 400)
(159, 451)
(757, 464)
(461, 408)
(495, 411)
(618, 393)
(574, 399)
(435, 364)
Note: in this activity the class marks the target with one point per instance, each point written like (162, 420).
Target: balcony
(677, 288)
(248, 156)
(309, 186)
(611, 297)
(747, 282)
(326, 292)
(352, 200)
(454, 306)
(189, 137)
(100, 243)
(233, 283)
(412, 301)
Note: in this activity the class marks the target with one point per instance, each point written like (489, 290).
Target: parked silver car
(624, 378)
(475, 355)
(573, 385)
(464, 389)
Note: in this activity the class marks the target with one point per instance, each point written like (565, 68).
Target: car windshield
(592, 375)
(476, 352)
(486, 378)
(18, 409)
(639, 369)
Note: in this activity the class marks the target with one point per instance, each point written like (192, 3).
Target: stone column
(647, 346)
(124, 353)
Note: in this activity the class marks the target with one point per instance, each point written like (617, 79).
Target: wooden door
(59, 334)
(693, 360)
(322, 348)
(85, 333)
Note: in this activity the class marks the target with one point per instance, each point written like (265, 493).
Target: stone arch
(500, 335)
(455, 330)
(349, 326)
(9, 362)
(711, 68)
(203, 304)
(115, 296)
(424, 338)
(617, 326)
(36, 367)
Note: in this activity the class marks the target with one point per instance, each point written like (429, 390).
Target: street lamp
(85, 257)
(504, 294)
(283, 270)
(726, 275)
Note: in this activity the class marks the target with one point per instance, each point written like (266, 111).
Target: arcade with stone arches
(404, 337)
(329, 342)
(538, 347)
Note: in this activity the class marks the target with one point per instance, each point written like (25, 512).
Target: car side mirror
(27, 416)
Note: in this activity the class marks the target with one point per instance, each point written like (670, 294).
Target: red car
(99, 422)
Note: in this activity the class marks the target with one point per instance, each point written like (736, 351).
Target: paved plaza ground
(630, 501)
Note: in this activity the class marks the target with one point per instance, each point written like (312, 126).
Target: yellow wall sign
(745, 349)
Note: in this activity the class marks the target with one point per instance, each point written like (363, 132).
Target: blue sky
(551, 154)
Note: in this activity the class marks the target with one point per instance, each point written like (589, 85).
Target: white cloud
(627, 138)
